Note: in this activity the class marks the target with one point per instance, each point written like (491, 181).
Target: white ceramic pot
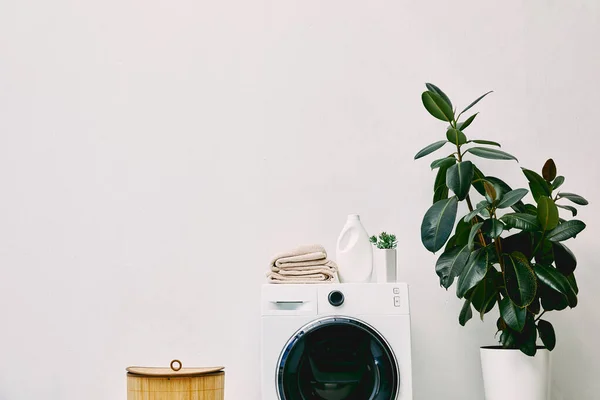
(510, 374)
(384, 263)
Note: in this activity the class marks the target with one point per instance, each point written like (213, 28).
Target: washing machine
(336, 342)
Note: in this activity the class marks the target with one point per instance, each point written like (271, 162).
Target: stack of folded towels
(305, 264)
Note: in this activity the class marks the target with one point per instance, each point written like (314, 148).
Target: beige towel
(304, 264)
(301, 256)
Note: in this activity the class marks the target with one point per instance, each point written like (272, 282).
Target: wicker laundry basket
(175, 383)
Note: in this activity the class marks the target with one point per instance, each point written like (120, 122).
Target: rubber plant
(505, 251)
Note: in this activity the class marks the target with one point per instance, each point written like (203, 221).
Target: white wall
(154, 154)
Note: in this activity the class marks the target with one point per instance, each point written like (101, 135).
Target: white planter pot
(384, 263)
(510, 374)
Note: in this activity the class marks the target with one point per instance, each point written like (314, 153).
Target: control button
(396, 301)
(396, 290)
(336, 298)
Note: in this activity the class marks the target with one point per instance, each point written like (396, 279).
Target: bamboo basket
(175, 383)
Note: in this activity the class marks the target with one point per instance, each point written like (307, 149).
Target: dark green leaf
(552, 278)
(473, 213)
(465, 313)
(474, 271)
(472, 234)
(525, 222)
(488, 142)
(463, 125)
(476, 101)
(478, 179)
(499, 185)
(549, 170)
(440, 193)
(440, 190)
(513, 315)
(535, 306)
(573, 283)
(564, 258)
(544, 254)
(432, 88)
(438, 223)
(569, 208)
(437, 106)
(492, 154)
(511, 198)
(492, 227)
(558, 182)
(547, 213)
(455, 136)
(484, 212)
(546, 331)
(566, 230)
(443, 162)
(508, 339)
(490, 192)
(538, 185)
(528, 338)
(521, 242)
(459, 177)
(575, 198)
(451, 263)
(485, 293)
(519, 278)
(551, 299)
(430, 149)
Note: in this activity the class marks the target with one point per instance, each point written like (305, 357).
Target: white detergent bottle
(354, 253)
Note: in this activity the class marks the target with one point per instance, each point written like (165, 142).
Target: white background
(154, 154)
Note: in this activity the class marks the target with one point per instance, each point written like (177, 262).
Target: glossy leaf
(564, 258)
(549, 170)
(478, 179)
(437, 106)
(465, 313)
(430, 149)
(463, 125)
(547, 213)
(490, 192)
(492, 227)
(558, 182)
(566, 230)
(521, 242)
(528, 338)
(511, 198)
(440, 190)
(499, 185)
(459, 177)
(552, 278)
(538, 185)
(476, 101)
(519, 279)
(451, 263)
(522, 221)
(575, 198)
(472, 233)
(551, 299)
(488, 142)
(546, 331)
(485, 294)
(493, 154)
(432, 88)
(473, 213)
(512, 315)
(455, 136)
(569, 208)
(573, 283)
(438, 223)
(474, 271)
(443, 162)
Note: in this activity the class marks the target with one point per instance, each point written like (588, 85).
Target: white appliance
(336, 342)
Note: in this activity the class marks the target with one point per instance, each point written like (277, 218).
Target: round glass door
(337, 358)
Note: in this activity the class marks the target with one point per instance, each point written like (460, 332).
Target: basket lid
(174, 370)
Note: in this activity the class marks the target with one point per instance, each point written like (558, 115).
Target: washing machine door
(337, 358)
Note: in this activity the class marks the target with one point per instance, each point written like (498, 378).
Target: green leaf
(438, 223)
(551, 299)
(490, 192)
(476, 101)
(558, 182)
(552, 278)
(458, 178)
(437, 106)
(474, 271)
(443, 162)
(519, 279)
(564, 258)
(521, 242)
(544, 254)
(478, 179)
(546, 331)
(573, 283)
(465, 313)
(549, 170)
(528, 338)
(511, 314)
(492, 154)
(499, 185)
(440, 193)
(455, 136)
(485, 293)
(508, 339)
(511, 198)
(575, 198)
(473, 213)
(463, 125)
(538, 185)
(488, 142)
(432, 88)
(474, 229)
(522, 221)
(451, 263)
(492, 227)
(430, 149)
(566, 230)
(547, 213)
(569, 208)
(440, 190)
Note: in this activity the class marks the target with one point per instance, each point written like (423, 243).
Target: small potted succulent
(508, 251)
(384, 257)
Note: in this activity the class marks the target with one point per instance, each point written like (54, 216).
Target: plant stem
(540, 316)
